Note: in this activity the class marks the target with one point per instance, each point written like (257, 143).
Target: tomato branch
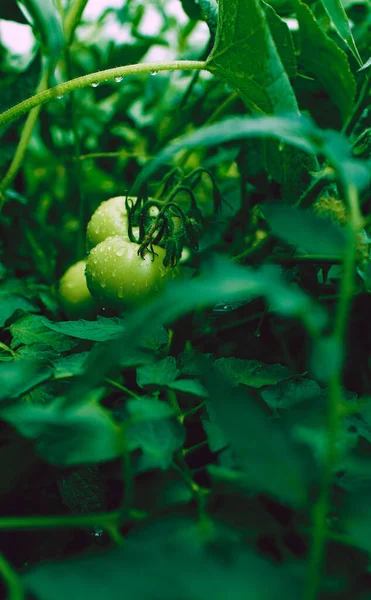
(14, 113)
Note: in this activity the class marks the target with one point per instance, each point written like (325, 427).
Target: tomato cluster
(113, 274)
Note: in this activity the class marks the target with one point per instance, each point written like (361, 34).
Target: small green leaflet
(367, 65)
(339, 19)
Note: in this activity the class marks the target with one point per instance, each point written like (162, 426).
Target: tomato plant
(191, 417)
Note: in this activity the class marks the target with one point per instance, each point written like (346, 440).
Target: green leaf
(283, 40)
(189, 386)
(256, 440)
(250, 372)
(163, 372)
(39, 352)
(168, 559)
(339, 19)
(306, 230)
(101, 330)
(48, 23)
(148, 409)
(70, 366)
(158, 440)
(81, 434)
(367, 65)
(322, 58)
(20, 376)
(221, 279)
(290, 393)
(244, 55)
(300, 132)
(155, 339)
(32, 329)
(216, 438)
(9, 304)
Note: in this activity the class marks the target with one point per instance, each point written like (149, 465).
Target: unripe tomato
(109, 219)
(74, 296)
(119, 278)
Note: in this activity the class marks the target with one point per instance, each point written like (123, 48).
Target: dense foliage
(207, 434)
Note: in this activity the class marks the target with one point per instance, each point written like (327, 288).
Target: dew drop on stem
(118, 79)
(95, 84)
(153, 73)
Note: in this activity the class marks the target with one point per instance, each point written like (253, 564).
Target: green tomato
(109, 219)
(119, 278)
(74, 296)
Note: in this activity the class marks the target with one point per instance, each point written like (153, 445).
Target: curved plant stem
(14, 113)
(335, 402)
(12, 580)
(102, 520)
(23, 142)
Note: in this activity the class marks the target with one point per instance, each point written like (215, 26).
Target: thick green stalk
(14, 113)
(23, 142)
(72, 19)
(335, 402)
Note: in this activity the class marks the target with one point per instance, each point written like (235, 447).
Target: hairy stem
(14, 113)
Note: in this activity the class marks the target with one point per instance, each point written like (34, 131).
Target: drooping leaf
(300, 132)
(306, 230)
(323, 59)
